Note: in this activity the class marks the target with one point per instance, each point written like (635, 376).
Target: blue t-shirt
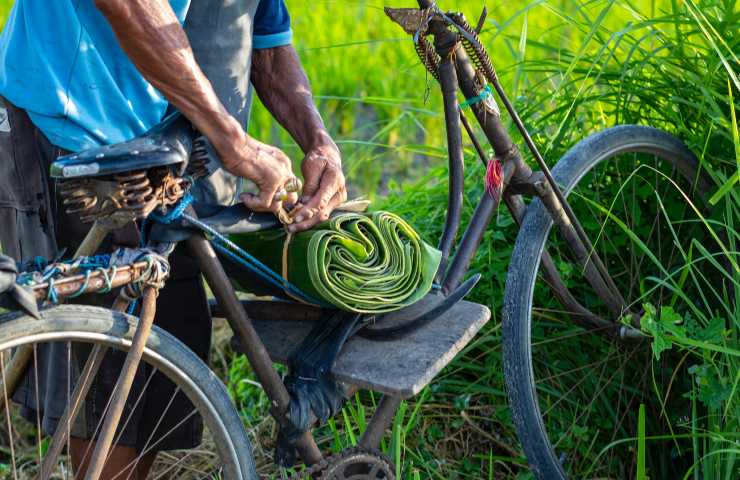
(61, 62)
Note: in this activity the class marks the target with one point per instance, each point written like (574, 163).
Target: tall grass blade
(641, 473)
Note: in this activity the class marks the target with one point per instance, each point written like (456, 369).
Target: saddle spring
(199, 158)
(137, 193)
(136, 189)
(78, 198)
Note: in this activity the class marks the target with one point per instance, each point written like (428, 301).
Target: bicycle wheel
(575, 387)
(28, 427)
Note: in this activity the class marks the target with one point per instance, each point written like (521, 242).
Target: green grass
(571, 68)
(666, 66)
(377, 99)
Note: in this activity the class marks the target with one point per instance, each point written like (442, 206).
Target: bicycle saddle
(168, 143)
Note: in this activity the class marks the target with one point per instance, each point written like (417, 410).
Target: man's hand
(281, 84)
(268, 167)
(323, 187)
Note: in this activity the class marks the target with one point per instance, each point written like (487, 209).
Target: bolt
(540, 186)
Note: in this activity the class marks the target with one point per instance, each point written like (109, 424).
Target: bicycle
(600, 313)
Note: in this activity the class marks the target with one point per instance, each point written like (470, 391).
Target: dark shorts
(33, 222)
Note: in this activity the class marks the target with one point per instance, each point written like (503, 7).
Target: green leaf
(714, 390)
(650, 324)
(713, 332)
(725, 188)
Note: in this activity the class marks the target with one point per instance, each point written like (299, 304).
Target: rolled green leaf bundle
(367, 263)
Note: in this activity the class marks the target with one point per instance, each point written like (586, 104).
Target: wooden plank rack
(399, 367)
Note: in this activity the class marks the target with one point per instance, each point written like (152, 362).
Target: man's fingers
(264, 202)
(319, 207)
(308, 217)
(291, 199)
(302, 213)
(316, 204)
(286, 197)
(312, 181)
(328, 188)
(251, 201)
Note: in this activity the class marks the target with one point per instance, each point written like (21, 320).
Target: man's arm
(151, 35)
(281, 84)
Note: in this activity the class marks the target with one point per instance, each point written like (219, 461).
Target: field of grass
(571, 67)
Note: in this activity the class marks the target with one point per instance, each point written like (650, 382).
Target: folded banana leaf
(366, 263)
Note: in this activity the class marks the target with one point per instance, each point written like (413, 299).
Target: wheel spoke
(75, 372)
(37, 394)
(67, 391)
(6, 400)
(150, 448)
(61, 435)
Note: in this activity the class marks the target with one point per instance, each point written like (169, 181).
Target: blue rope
(40, 263)
(482, 97)
(280, 284)
(230, 249)
(95, 262)
(48, 271)
(244, 258)
(46, 276)
(176, 212)
(107, 279)
(142, 233)
(132, 307)
(83, 287)
(51, 295)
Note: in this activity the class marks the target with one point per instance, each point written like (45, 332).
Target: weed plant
(572, 68)
(674, 68)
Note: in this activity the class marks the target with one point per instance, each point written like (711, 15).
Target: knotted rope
(154, 275)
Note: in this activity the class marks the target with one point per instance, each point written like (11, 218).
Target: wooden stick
(123, 385)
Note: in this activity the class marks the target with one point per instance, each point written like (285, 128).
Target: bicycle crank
(351, 464)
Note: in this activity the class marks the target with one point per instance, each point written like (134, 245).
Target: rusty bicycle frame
(449, 60)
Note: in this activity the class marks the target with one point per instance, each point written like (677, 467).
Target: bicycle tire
(182, 366)
(523, 274)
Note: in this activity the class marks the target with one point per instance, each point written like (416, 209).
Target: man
(77, 74)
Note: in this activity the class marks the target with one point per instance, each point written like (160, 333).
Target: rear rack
(401, 367)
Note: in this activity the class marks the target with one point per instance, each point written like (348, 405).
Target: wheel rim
(26, 440)
(580, 376)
